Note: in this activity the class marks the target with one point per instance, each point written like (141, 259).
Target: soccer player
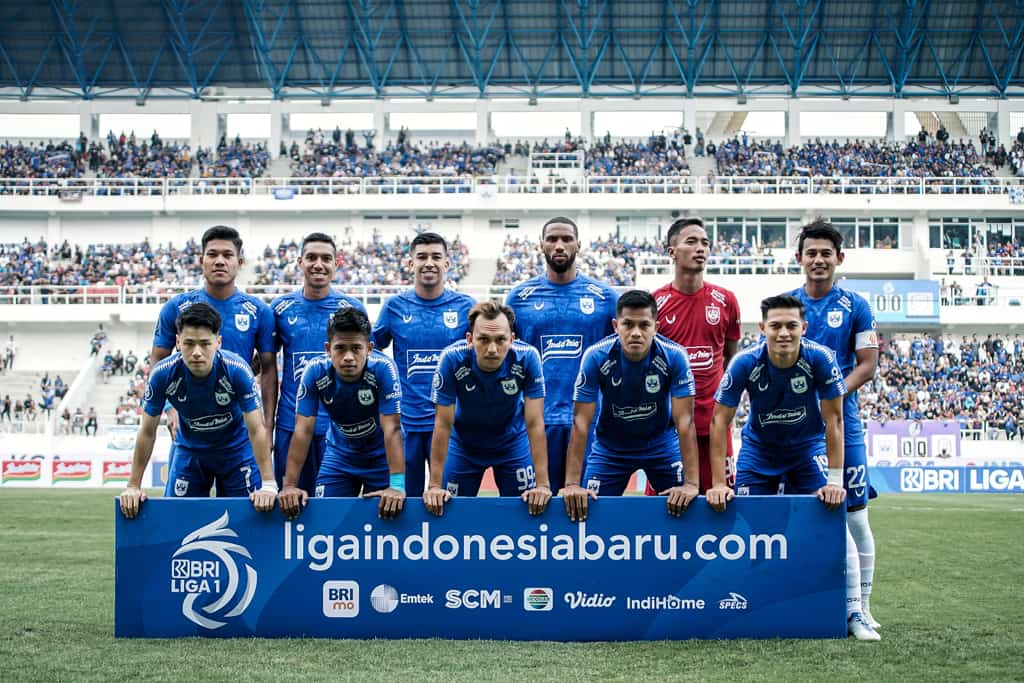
(796, 394)
(300, 323)
(248, 323)
(842, 321)
(421, 322)
(646, 420)
(221, 435)
(489, 398)
(561, 313)
(705, 319)
(359, 389)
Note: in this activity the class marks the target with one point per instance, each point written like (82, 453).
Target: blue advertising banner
(767, 567)
(948, 479)
(899, 301)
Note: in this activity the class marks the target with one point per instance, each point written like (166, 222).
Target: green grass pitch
(950, 570)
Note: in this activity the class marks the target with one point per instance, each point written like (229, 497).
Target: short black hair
(781, 301)
(348, 319)
(223, 232)
(561, 220)
(427, 238)
(636, 298)
(198, 314)
(318, 237)
(679, 225)
(819, 229)
(490, 310)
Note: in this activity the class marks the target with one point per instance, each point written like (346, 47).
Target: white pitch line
(901, 508)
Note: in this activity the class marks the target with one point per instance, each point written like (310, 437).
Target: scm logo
(921, 479)
(474, 599)
(341, 599)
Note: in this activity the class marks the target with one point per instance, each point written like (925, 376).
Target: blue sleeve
(265, 332)
(165, 332)
(443, 393)
(246, 389)
(307, 397)
(534, 375)
(588, 381)
(828, 378)
(153, 401)
(613, 299)
(683, 384)
(381, 336)
(730, 389)
(391, 389)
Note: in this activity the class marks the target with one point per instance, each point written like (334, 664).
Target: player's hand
(719, 496)
(576, 499)
(537, 499)
(292, 499)
(391, 502)
(131, 499)
(831, 495)
(263, 500)
(679, 498)
(172, 422)
(434, 499)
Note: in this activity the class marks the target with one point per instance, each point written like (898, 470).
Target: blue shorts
(314, 456)
(558, 449)
(607, 473)
(513, 470)
(855, 475)
(417, 455)
(352, 478)
(760, 474)
(192, 473)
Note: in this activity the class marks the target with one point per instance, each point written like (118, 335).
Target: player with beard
(705, 319)
(561, 313)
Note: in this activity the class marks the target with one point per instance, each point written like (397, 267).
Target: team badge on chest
(835, 318)
(798, 383)
(587, 304)
(242, 322)
(365, 397)
(713, 314)
(653, 384)
(451, 319)
(510, 386)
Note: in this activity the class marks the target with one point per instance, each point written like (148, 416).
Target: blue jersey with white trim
(353, 408)
(210, 410)
(300, 331)
(636, 396)
(420, 329)
(561, 321)
(784, 411)
(247, 324)
(842, 321)
(488, 405)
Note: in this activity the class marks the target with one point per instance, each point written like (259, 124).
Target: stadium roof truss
(325, 49)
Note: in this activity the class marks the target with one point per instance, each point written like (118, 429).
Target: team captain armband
(868, 339)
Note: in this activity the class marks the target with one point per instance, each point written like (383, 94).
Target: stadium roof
(511, 48)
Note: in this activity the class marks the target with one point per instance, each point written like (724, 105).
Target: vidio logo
(215, 576)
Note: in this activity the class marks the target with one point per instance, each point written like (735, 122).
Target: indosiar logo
(538, 599)
(205, 570)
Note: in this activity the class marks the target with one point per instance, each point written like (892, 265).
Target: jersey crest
(509, 386)
(451, 319)
(652, 384)
(798, 383)
(242, 322)
(587, 304)
(222, 397)
(365, 397)
(712, 314)
(835, 318)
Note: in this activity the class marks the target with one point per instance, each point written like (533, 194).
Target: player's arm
(133, 496)
(680, 497)
(435, 496)
(262, 499)
(392, 499)
(730, 349)
(864, 370)
(719, 493)
(832, 493)
(268, 388)
(157, 354)
(292, 498)
(538, 497)
(575, 497)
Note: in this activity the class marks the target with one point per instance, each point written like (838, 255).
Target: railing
(724, 265)
(285, 188)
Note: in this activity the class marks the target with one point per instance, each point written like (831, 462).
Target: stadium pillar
(919, 234)
(88, 122)
(380, 124)
(276, 128)
(690, 116)
(1003, 132)
(483, 123)
(586, 122)
(897, 128)
(792, 123)
(204, 124)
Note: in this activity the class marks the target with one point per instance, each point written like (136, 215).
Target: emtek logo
(921, 480)
(538, 599)
(341, 599)
(386, 599)
(475, 599)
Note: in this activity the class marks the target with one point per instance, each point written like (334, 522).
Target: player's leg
(755, 474)
(857, 491)
(663, 470)
(314, 458)
(337, 484)
(417, 455)
(186, 476)
(374, 474)
(605, 474)
(462, 473)
(558, 447)
(282, 440)
(514, 473)
(240, 476)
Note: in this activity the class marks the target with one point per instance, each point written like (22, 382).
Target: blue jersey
(300, 330)
(842, 321)
(636, 397)
(420, 330)
(247, 324)
(488, 405)
(561, 321)
(353, 408)
(211, 409)
(784, 410)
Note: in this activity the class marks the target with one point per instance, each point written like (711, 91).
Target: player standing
(646, 419)
(300, 323)
(489, 397)
(705, 319)
(221, 438)
(359, 389)
(421, 322)
(842, 321)
(561, 313)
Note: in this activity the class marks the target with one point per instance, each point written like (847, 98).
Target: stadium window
(300, 122)
(39, 126)
(886, 233)
(248, 126)
(773, 233)
(636, 124)
(847, 227)
(934, 235)
(998, 231)
(956, 233)
(730, 230)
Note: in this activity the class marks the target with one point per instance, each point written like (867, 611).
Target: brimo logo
(217, 577)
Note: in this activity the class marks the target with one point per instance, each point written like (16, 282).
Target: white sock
(852, 576)
(860, 529)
